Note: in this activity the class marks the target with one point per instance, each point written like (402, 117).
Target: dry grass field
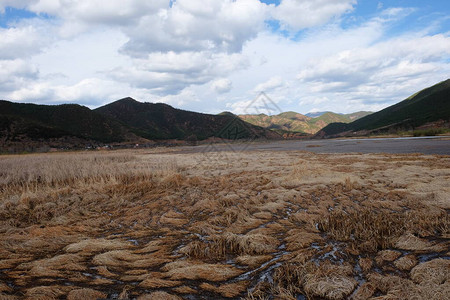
(156, 224)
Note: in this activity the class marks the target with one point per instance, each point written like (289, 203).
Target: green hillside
(429, 105)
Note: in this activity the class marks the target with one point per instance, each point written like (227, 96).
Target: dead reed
(372, 230)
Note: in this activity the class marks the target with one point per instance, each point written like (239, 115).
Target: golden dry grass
(81, 294)
(260, 225)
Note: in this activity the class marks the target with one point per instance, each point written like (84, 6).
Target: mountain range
(29, 127)
(295, 122)
(158, 121)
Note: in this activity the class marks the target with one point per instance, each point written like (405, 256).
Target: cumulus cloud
(300, 14)
(24, 39)
(20, 4)
(262, 103)
(272, 83)
(377, 64)
(373, 77)
(222, 86)
(169, 73)
(186, 96)
(197, 25)
(90, 91)
(16, 73)
(114, 12)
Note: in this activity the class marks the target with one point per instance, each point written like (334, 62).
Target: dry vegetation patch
(260, 225)
(201, 271)
(91, 246)
(81, 294)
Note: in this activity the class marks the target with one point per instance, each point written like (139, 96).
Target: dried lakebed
(252, 225)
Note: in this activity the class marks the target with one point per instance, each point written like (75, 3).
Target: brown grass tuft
(297, 239)
(364, 292)
(46, 292)
(436, 271)
(5, 288)
(126, 259)
(252, 261)
(226, 290)
(54, 267)
(91, 246)
(331, 282)
(406, 262)
(152, 283)
(82, 294)
(387, 255)
(184, 290)
(326, 280)
(7, 297)
(365, 263)
(219, 246)
(158, 296)
(413, 243)
(395, 287)
(201, 271)
(372, 230)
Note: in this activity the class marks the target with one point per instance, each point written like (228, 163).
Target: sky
(219, 55)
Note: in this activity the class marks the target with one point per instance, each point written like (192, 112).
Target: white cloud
(222, 85)
(115, 12)
(90, 91)
(24, 39)
(272, 83)
(299, 14)
(373, 77)
(186, 96)
(20, 4)
(169, 73)
(262, 103)
(194, 25)
(88, 55)
(377, 64)
(16, 73)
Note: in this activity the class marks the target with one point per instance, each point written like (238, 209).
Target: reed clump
(34, 173)
(374, 230)
(315, 281)
(220, 246)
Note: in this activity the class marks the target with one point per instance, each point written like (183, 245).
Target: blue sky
(216, 55)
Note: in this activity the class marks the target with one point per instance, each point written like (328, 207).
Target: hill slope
(30, 122)
(429, 105)
(295, 122)
(161, 121)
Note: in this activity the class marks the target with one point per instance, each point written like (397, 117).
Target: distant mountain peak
(126, 100)
(226, 113)
(315, 114)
